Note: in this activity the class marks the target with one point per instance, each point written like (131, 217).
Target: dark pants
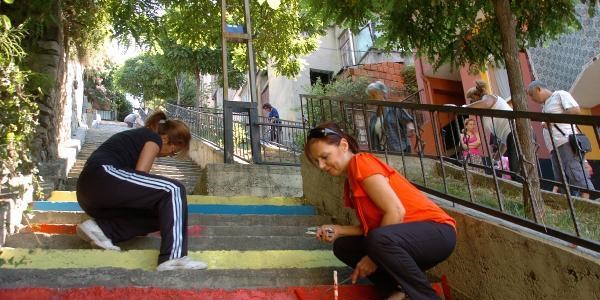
(572, 164)
(514, 164)
(402, 253)
(129, 203)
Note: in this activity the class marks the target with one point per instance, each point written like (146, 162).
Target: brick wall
(387, 72)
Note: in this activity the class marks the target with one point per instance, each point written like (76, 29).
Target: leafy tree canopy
(452, 31)
(143, 78)
(281, 36)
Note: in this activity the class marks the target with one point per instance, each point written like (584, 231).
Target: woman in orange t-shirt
(402, 232)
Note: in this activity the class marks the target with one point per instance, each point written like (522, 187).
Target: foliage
(455, 32)
(346, 88)
(19, 111)
(181, 62)
(143, 78)
(281, 36)
(123, 106)
(86, 24)
(99, 87)
(187, 92)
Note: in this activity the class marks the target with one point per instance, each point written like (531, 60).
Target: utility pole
(229, 34)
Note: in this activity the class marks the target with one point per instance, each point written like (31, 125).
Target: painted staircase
(256, 248)
(251, 244)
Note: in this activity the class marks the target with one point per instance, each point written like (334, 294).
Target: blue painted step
(217, 209)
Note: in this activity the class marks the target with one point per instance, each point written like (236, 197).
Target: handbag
(578, 141)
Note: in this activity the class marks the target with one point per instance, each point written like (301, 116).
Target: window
(346, 48)
(363, 42)
(324, 76)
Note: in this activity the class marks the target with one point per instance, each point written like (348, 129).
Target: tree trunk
(179, 87)
(199, 84)
(532, 197)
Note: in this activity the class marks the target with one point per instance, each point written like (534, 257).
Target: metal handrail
(354, 116)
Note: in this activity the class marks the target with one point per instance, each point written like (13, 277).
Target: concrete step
(52, 217)
(203, 242)
(205, 279)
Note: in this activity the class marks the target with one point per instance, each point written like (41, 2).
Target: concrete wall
(251, 180)
(492, 260)
(284, 92)
(203, 153)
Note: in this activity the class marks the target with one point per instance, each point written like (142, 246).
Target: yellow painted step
(70, 196)
(146, 259)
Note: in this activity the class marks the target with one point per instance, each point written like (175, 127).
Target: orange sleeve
(361, 167)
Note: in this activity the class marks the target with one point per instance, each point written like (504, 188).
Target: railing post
(254, 133)
(228, 131)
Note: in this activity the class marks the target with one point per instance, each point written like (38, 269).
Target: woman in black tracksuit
(124, 200)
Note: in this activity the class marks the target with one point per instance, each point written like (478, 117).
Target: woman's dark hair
(331, 134)
(177, 131)
(267, 106)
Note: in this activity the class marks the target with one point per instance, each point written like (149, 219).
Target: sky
(120, 53)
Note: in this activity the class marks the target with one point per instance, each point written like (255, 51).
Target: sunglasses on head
(321, 132)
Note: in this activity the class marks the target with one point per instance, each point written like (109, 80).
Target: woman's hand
(327, 233)
(364, 268)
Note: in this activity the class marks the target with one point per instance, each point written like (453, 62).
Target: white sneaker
(183, 263)
(91, 232)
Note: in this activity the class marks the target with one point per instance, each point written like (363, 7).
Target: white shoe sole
(87, 235)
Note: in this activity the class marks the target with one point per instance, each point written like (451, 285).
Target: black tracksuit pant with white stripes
(129, 203)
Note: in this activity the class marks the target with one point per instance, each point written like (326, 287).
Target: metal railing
(434, 159)
(281, 141)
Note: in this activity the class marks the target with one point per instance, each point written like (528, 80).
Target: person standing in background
(391, 127)
(561, 102)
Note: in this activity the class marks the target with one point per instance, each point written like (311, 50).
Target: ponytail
(177, 131)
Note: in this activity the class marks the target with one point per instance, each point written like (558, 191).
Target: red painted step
(291, 293)
(346, 292)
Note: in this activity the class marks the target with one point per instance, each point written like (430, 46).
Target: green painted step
(71, 196)
(46, 217)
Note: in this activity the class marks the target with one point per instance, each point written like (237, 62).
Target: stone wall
(493, 259)
(497, 260)
(250, 180)
(13, 205)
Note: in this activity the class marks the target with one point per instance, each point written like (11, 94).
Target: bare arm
(477, 142)
(487, 102)
(462, 141)
(573, 110)
(381, 193)
(147, 156)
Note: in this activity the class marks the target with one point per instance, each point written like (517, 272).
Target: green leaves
(281, 35)
(455, 32)
(5, 22)
(143, 77)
